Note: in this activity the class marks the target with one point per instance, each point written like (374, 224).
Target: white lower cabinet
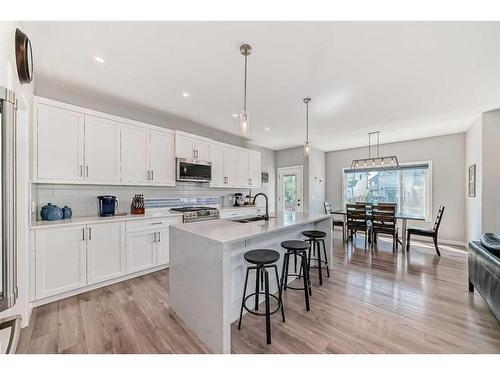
(140, 251)
(60, 260)
(69, 258)
(105, 251)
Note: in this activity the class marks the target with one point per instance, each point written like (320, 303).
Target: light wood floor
(374, 302)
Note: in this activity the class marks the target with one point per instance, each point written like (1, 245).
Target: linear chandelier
(372, 162)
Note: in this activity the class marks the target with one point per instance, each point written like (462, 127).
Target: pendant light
(375, 161)
(245, 50)
(307, 145)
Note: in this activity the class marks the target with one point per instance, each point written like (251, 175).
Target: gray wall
(491, 172)
(447, 154)
(84, 203)
(314, 171)
(473, 205)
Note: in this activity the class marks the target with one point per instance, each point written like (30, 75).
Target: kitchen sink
(250, 219)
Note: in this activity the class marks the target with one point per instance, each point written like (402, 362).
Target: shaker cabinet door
(218, 177)
(254, 169)
(203, 150)
(102, 150)
(230, 166)
(59, 151)
(105, 251)
(141, 251)
(162, 158)
(60, 260)
(162, 248)
(134, 154)
(242, 172)
(184, 147)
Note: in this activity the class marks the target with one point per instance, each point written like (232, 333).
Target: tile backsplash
(83, 198)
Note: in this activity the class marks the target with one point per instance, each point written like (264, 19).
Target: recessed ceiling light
(99, 59)
(235, 115)
(185, 94)
(267, 129)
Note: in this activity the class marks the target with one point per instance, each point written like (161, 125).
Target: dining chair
(357, 220)
(427, 232)
(384, 221)
(335, 222)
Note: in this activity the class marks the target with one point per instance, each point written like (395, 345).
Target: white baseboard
(71, 293)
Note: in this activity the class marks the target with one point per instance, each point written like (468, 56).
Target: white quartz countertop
(225, 230)
(99, 220)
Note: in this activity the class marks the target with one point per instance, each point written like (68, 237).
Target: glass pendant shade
(307, 148)
(244, 124)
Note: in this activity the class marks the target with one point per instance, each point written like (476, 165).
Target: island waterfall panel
(207, 268)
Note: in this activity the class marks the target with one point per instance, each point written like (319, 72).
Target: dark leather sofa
(484, 270)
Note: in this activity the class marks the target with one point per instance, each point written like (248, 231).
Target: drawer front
(152, 224)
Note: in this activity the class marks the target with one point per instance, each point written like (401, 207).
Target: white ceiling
(409, 80)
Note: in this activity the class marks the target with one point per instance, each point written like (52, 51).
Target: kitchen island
(207, 268)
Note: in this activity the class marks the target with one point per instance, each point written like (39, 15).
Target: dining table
(399, 215)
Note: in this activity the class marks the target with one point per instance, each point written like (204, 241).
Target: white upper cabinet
(203, 150)
(134, 155)
(162, 158)
(59, 144)
(254, 169)
(102, 150)
(243, 166)
(218, 177)
(188, 146)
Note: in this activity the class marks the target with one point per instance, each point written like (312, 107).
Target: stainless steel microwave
(194, 170)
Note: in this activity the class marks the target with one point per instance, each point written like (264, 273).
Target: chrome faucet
(266, 216)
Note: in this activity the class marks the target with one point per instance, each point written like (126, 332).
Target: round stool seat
(261, 256)
(314, 234)
(295, 245)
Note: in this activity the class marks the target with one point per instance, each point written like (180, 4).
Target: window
(408, 187)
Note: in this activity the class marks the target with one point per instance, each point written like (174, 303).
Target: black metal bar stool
(263, 259)
(315, 237)
(296, 248)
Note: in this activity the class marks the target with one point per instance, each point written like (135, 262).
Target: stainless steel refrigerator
(8, 260)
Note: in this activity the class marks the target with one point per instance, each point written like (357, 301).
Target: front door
(290, 189)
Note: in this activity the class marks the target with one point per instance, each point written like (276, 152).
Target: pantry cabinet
(60, 260)
(59, 146)
(105, 251)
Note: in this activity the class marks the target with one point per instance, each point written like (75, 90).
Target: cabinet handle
(194, 154)
(83, 234)
(154, 237)
(87, 170)
(158, 223)
(159, 237)
(90, 234)
(152, 175)
(81, 170)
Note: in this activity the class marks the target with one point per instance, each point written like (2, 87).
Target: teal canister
(67, 213)
(51, 212)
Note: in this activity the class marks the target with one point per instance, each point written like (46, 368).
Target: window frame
(428, 197)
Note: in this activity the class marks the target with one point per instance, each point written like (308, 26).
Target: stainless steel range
(192, 214)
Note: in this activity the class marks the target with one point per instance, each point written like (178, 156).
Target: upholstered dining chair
(427, 232)
(335, 222)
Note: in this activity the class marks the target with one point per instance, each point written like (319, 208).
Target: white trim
(44, 301)
(429, 216)
(284, 169)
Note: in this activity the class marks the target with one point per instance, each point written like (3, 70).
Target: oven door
(194, 171)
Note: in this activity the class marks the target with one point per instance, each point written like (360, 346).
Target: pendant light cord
(245, 88)
(307, 121)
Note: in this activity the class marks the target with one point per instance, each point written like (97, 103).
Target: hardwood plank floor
(374, 302)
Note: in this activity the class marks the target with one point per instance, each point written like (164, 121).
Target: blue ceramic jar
(51, 212)
(67, 212)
